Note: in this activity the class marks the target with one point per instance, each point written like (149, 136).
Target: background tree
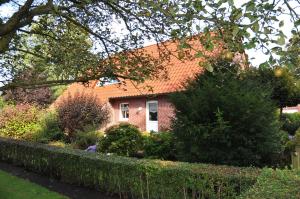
(51, 57)
(224, 119)
(290, 57)
(283, 84)
(39, 96)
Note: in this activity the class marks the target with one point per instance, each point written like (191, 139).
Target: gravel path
(72, 191)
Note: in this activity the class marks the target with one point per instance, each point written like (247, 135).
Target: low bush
(130, 177)
(159, 146)
(279, 184)
(19, 122)
(80, 111)
(291, 122)
(122, 139)
(85, 139)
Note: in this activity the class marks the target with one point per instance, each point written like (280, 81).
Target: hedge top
(218, 170)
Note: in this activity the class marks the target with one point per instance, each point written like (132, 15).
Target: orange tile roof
(178, 72)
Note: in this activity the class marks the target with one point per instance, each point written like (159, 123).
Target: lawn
(12, 187)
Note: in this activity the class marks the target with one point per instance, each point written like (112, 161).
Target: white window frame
(121, 118)
(148, 122)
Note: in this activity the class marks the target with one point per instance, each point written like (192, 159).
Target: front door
(152, 116)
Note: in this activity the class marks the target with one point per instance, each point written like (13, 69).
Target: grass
(12, 187)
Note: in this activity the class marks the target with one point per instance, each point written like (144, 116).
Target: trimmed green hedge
(279, 184)
(129, 176)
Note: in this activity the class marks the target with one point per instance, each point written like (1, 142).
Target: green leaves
(207, 65)
(255, 27)
(281, 23)
(281, 40)
(250, 6)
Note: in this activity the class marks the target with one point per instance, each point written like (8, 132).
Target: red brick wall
(138, 118)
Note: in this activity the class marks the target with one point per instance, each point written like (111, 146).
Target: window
(152, 111)
(124, 111)
(103, 81)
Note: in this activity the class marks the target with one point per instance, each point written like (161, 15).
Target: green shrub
(291, 122)
(291, 144)
(49, 128)
(19, 122)
(122, 139)
(81, 111)
(223, 118)
(57, 91)
(159, 146)
(131, 177)
(279, 184)
(86, 139)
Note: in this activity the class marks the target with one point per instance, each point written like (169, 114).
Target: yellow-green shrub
(19, 122)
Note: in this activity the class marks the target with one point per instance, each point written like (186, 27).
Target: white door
(152, 116)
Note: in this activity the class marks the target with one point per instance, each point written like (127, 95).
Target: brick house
(149, 109)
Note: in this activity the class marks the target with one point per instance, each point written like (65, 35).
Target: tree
(50, 57)
(222, 118)
(141, 21)
(283, 84)
(95, 19)
(290, 57)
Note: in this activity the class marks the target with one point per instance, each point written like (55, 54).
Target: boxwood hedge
(130, 177)
(279, 184)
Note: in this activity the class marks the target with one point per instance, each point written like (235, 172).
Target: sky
(256, 56)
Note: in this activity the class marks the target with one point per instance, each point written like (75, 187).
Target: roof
(177, 73)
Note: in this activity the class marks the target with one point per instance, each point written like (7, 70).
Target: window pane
(125, 111)
(153, 111)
